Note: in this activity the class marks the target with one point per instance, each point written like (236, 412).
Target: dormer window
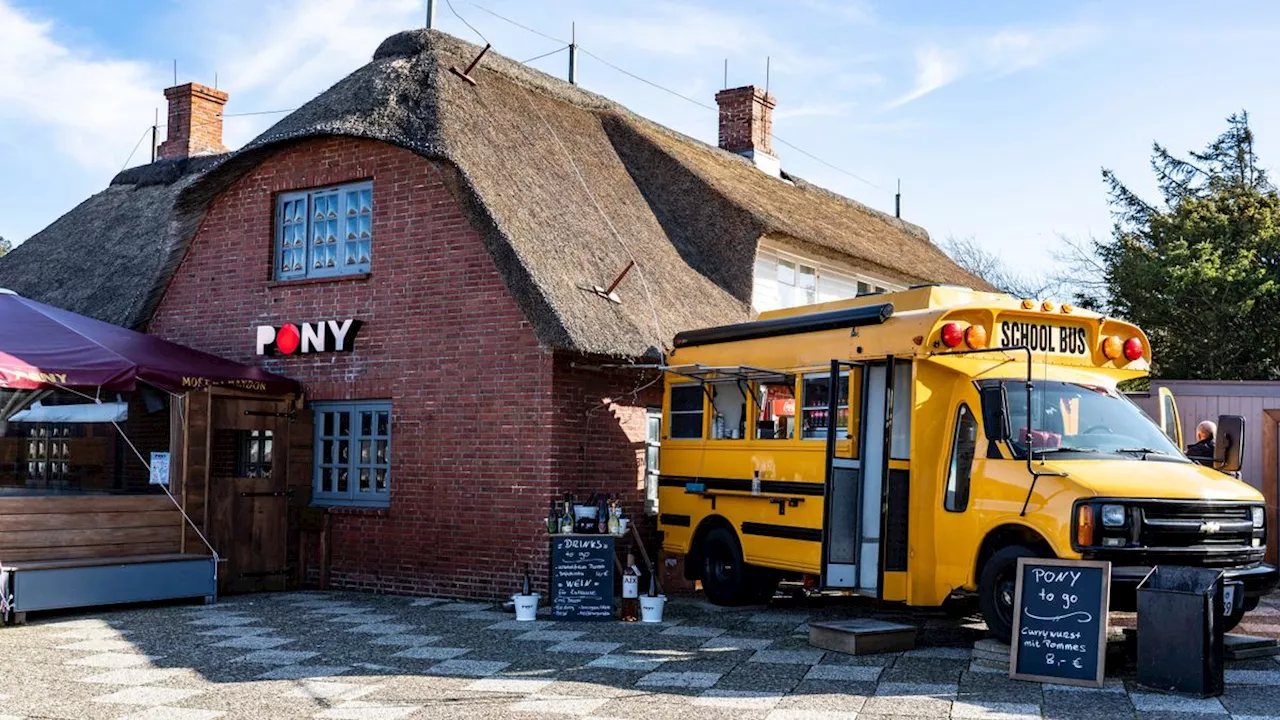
(785, 278)
(324, 233)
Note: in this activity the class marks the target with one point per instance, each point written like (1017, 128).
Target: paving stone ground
(364, 657)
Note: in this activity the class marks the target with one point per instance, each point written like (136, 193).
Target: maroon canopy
(42, 347)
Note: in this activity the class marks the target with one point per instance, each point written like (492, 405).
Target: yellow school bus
(910, 446)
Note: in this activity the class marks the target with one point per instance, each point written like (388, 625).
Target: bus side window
(728, 411)
(816, 398)
(686, 411)
(962, 449)
(776, 405)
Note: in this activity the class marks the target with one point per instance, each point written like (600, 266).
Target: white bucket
(651, 608)
(526, 607)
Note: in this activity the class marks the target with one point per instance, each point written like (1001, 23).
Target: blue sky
(996, 116)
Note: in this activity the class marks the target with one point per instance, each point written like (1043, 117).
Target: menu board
(582, 577)
(1060, 621)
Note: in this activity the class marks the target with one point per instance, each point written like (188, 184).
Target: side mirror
(995, 413)
(1228, 446)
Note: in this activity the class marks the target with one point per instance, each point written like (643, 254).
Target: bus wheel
(996, 587)
(724, 572)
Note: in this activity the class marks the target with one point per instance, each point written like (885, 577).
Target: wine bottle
(630, 590)
(653, 585)
(611, 522)
(527, 588)
(566, 519)
(553, 518)
(602, 517)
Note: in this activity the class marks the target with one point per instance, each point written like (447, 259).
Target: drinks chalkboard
(582, 577)
(1060, 621)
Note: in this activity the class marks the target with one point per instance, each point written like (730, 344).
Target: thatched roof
(110, 256)
(522, 148)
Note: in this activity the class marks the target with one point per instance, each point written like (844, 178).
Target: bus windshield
(1074, 418)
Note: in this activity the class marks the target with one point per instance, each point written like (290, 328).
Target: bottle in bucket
(651, 604)
(630, 590)
(526, 587)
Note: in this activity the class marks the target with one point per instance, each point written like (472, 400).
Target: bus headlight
(1113, 516)
(1259, 517)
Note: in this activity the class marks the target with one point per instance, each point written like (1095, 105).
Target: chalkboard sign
(582, 577)
(1060, 621)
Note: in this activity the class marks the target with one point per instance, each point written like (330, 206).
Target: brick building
(513, 252)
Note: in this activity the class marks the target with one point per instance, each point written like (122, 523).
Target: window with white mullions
(254, 451)
(652, 445)
(353, 454)
(324, 233)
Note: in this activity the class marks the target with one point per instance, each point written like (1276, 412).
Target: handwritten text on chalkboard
(1060, 621)
(582, 577)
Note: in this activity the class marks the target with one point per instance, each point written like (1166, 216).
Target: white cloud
(293, 50)
(934, 69)
(1003, 52)
(93, 109)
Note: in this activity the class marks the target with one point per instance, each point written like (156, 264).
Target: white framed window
(786, 278)
(324, 233)
(352, 454)
(652, 446)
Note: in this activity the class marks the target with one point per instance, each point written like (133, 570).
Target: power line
(513, 22)
(837, 168)
(464, 22)
(545, 54)
(668, 90)
(259, 112)
(630, 74)
(135, 147)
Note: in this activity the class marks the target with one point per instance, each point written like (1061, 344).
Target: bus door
(857, 469)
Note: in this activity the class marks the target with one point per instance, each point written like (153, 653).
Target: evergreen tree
(1200, 270)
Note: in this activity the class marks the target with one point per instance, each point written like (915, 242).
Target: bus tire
(725, 576)
(996, 587)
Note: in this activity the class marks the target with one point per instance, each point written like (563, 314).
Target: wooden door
(249, 498)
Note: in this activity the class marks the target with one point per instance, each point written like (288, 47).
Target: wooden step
(862, 636)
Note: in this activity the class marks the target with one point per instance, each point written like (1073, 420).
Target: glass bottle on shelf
(602, 516)
(611, 523)
(566, 519)
(630, 590)
(553, 518)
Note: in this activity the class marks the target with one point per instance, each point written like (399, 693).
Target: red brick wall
(487, 425)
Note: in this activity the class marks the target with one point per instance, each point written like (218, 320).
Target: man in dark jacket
(1202, 451)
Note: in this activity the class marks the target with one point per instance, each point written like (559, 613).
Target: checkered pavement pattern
(350, 656)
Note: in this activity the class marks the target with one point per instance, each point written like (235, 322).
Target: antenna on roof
(766, 74)
(897, 200)
(175, 72)
(573, 53)
(154, 127)
(215, 80)
(431, 14)
(726, 74)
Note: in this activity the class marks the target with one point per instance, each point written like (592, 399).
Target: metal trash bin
(1180, 629)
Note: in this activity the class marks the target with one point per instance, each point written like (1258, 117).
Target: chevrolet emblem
(1209, 528)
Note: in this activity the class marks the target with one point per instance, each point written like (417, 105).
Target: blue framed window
(324, 233)
(352, 454)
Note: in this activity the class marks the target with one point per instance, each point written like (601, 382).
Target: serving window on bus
(728, 410)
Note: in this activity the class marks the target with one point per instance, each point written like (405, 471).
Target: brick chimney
(746, 125)
(195, 121)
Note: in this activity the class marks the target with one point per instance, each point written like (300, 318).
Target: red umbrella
(44, 348)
